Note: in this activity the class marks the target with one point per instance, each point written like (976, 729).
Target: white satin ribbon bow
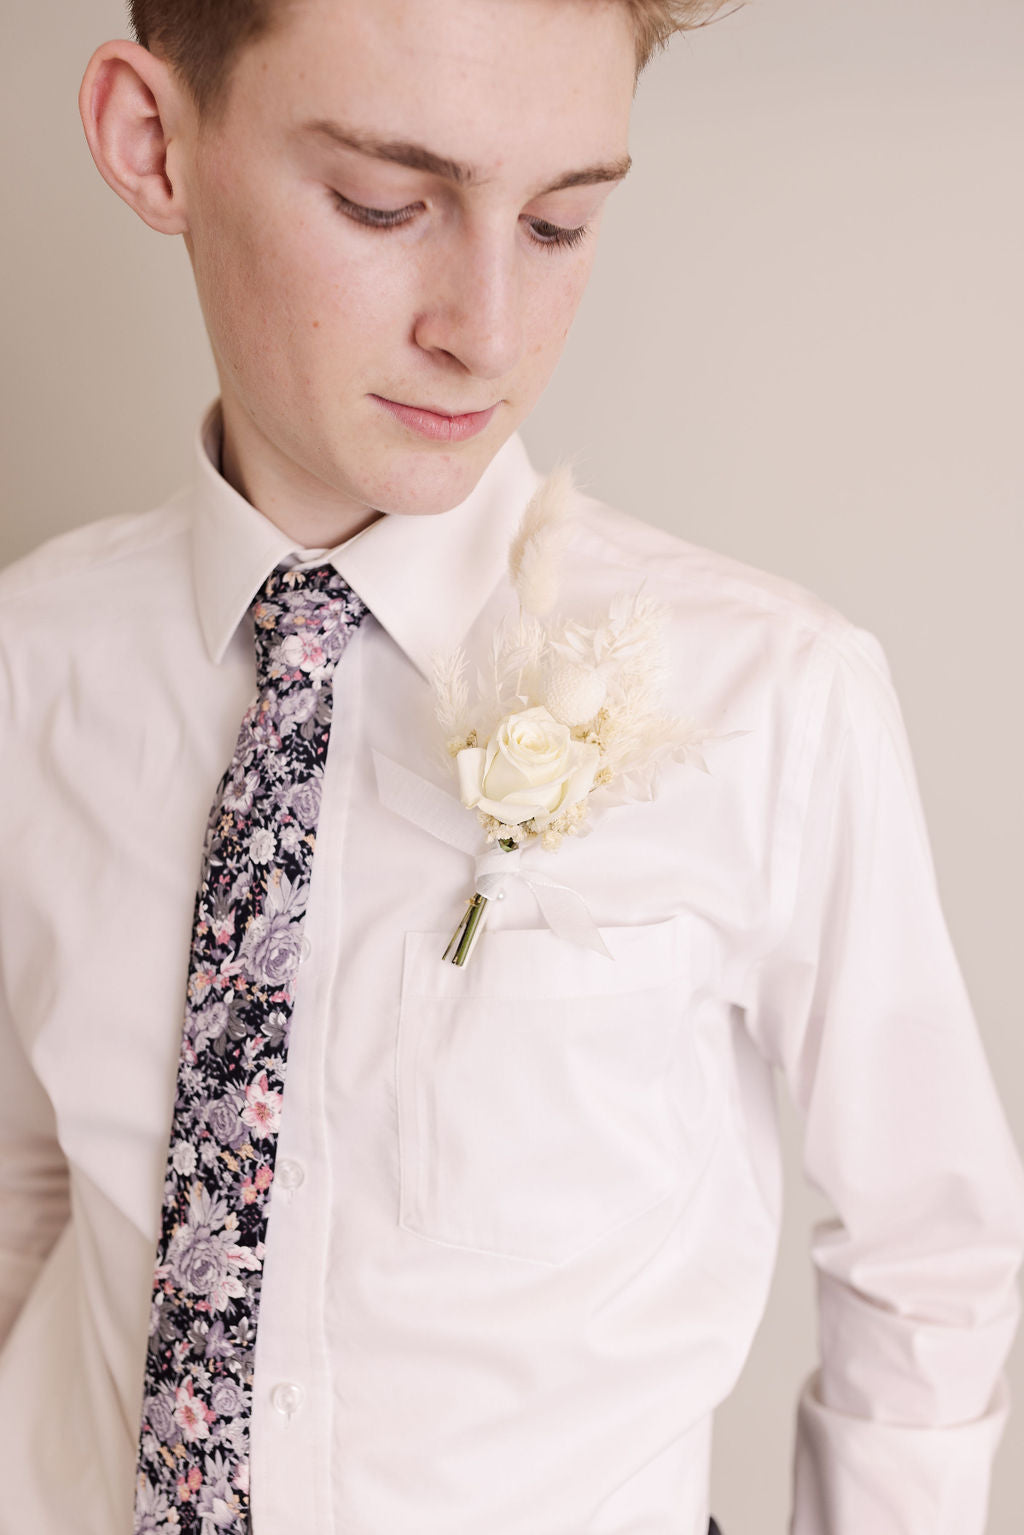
(444, 817)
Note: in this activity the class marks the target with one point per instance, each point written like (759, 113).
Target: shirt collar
(424, 578)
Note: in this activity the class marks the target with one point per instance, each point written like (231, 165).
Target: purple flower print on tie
(304, 802)
(210, 1341)
(272, 950)
(160, 1412)
(272, 946)
(224, 1121)
(226, 1399)
(151, 1511)
(297, 709)
(213, 1497)
(247, 949)
(204, 1257)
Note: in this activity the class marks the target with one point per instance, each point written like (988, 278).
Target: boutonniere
(562, 708)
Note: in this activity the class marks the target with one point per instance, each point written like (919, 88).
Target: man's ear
(132, 111)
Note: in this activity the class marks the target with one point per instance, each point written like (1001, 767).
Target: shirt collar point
(425, 578)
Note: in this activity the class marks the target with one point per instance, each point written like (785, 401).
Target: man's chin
(433, 483)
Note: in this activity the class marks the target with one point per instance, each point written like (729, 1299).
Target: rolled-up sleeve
(861, 1004)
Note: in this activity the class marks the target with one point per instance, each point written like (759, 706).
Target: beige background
(802, 345)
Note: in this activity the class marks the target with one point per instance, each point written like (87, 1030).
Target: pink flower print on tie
(262, 1112)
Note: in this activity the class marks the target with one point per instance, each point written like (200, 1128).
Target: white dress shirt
(525, 1214)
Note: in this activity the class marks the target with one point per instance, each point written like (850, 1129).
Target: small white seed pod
(573, 694)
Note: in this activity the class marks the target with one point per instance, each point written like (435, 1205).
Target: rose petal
(582, 780)
(503, 776)
(470, 764)
(509, 815)
(546, 796)
(579, 783)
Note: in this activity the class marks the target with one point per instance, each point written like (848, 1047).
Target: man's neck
(295, 501)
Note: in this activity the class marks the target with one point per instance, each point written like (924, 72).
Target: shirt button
(287, 1398)
(290, 1175)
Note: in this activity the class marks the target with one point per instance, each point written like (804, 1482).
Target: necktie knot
(303, 619)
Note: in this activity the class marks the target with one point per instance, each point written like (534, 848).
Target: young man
(494, 1254)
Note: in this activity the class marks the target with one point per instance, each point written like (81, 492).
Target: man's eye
(376, 218)
(552, 236)
(555, 236)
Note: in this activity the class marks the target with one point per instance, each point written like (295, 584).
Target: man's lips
(435, 424)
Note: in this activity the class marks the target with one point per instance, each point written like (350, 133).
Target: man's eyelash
(375, 218)
(553, 235)
(550, 236)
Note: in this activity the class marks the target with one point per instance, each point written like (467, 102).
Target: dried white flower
(540, 542)
(574, 694)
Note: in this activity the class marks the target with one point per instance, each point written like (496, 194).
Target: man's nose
(473, 303)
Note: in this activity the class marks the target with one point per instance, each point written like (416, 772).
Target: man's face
(454, 295)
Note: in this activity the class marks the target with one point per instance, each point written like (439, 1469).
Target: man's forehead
(454, 78)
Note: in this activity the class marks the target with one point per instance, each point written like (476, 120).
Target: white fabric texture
(525, 1214)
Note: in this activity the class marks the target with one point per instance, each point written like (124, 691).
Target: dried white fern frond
(634, 631)
(524, 660)
(540, 542)
(451, 695)
(639, 734)
(490, 691)
(635, 758)
(575, 643)
(510, 670)
(628, 640)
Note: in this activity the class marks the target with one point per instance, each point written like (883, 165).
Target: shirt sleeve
(34, 1203)
(861, 1004)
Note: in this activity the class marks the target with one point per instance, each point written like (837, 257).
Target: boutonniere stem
(464, 938)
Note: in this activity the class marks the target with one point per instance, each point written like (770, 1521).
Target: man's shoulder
(692, 578)
(97, 558)
(743, 645)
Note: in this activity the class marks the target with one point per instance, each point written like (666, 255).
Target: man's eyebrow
(418, 158)
(590, 175)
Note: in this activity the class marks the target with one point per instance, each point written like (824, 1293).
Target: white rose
(530, 770)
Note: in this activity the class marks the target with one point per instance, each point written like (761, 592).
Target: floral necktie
(247, 945)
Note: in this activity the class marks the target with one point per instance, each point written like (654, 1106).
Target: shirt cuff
(912, 1370)
(853, 1474)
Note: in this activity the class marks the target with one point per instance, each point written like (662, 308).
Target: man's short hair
(201, 39)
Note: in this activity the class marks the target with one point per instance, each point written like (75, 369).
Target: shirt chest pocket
(533, 1105)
